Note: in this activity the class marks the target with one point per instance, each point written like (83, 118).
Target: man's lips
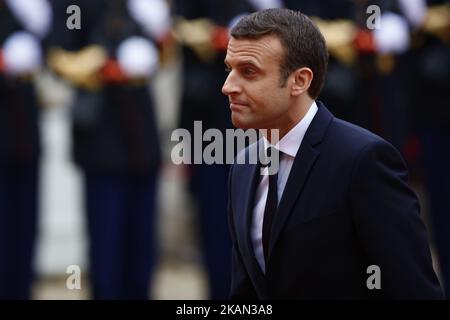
(237, 105)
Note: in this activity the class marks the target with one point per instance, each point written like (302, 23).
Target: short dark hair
(303, 43)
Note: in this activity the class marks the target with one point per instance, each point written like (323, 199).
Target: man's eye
(248, 72)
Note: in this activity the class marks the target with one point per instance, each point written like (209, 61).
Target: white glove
(34, 15)
(22, 53)
(414, 10)
(266, 4)
(138, 57)
(152, 15)
(393, 34)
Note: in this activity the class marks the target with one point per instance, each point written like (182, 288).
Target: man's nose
(229, 87)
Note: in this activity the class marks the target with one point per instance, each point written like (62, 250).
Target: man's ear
(301, 81)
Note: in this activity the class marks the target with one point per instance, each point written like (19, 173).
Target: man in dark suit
(339, 205)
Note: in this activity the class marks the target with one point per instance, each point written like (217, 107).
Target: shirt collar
(291, 142)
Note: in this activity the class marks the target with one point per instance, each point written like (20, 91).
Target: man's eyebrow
(243, 63)
(246, 62)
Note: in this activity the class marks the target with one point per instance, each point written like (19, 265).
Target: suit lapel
(303, 163)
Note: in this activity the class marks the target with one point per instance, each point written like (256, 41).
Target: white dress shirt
(288, 147)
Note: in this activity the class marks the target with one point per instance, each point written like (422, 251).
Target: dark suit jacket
(346, 206)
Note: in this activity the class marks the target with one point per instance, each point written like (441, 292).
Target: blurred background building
(159, 66)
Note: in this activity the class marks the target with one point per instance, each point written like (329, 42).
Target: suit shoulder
(348, 144)
(353, 138)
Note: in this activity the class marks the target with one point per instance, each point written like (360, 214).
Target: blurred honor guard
(110, 60)
(22, 26)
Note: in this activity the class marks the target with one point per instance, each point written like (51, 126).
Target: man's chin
(240, 123)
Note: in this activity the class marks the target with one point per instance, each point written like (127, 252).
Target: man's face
(253, 84)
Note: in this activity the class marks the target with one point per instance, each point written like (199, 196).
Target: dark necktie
(269, 211)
